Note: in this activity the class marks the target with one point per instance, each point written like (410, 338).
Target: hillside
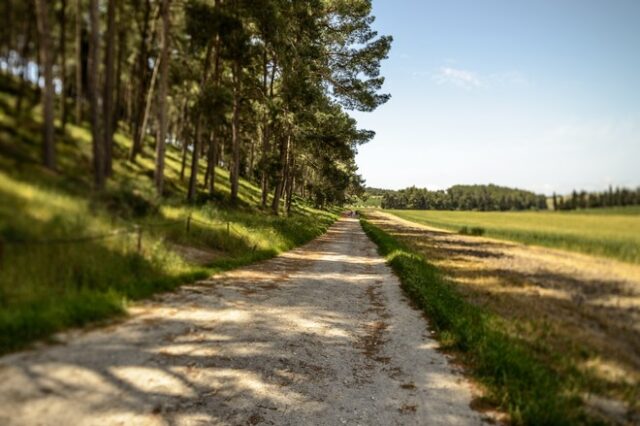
(70, 255)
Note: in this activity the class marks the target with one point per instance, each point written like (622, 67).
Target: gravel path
(320, 335)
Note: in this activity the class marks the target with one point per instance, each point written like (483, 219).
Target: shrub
(475, 230)
(127, 203)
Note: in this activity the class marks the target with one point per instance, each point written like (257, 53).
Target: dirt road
(321, 335)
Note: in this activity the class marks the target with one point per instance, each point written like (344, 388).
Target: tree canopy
(259, 87)
(464, 197)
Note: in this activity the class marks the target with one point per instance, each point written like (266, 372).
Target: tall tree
(25, 50)
(46, 61)
(94, 94)
(79, 14)
(107, 102)
(238, 55)
(120, 64)
(258, 87)
(215, 112)
(142, 76)
(202, 25)
(63, 63)
(234, 173)
(162, 95)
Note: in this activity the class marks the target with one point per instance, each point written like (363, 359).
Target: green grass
(529, 390)
(613, 233)
(371, 201)
(47, 287)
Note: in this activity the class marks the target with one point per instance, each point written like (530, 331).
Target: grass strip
(516, 382)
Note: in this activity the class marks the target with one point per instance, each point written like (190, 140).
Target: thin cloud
(458, 77)
(467, 79)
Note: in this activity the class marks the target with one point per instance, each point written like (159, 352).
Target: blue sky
(536, 94)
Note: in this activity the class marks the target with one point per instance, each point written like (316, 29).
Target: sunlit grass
(48, 286)
(612, 233)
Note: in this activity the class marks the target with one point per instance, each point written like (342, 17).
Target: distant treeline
(377, 191)
(618, 197)
(500, 198)
(462, 197)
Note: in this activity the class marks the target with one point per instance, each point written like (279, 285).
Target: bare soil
(320, 335)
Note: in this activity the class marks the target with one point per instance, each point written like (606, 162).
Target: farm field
(576, 315)
(613, 233)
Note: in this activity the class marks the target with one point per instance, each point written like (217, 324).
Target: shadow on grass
(236, 349)
(517, 382)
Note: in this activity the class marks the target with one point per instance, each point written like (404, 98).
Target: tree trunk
(235, 140)
(24, 54)
(162, 95)
(7, 41)
(289, 181)
(142, 65)
(264, 181)
(265, 140)
(207, 171)
(193, 179)
(213, 143)
(118, 108)
(252, 149)
(42, 13)
(213, 161)
(277, 194)
(266, 131)
(78, 116)
(197, 144)
(94, 93)
(183, 132)
(147, 104)
(108, 87)
(63, 64)
(289, 198)
(183, 164)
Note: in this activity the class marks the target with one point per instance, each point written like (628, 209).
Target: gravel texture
(321, 335)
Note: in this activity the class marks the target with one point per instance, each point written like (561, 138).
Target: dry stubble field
(578, 313)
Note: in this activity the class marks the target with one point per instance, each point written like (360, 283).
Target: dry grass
(579, 314)
(613, 232)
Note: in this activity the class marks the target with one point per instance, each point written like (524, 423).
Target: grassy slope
(45, 288)
(613, 233)
(531, 391)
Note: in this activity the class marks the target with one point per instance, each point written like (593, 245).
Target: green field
(613, 233)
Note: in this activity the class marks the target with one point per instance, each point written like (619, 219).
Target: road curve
(321, 335)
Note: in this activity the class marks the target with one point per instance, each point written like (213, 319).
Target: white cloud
(458, 77)
(467, 79)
